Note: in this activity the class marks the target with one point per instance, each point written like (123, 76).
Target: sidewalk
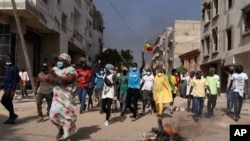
(90, 125)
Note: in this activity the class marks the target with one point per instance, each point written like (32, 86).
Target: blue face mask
(59, 64)
(148, 73)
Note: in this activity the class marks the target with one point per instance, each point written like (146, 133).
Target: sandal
(60, 133)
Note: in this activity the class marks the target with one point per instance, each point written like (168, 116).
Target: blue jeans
(230, 99)
(198, 106)
(238, 101)
(82, 92)
(122, 99)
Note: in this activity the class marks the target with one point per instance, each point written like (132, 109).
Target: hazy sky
(128, 23)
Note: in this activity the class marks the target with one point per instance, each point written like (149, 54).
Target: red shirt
(83, 78)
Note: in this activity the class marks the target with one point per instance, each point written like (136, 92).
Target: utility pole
(23, 45)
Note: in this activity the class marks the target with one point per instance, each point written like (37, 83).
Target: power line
(122, 19)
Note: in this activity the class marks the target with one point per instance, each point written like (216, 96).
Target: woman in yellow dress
(161, 92)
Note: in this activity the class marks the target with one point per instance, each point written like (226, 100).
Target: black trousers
(106, 107)
(132, 100)
(211, 103)
(7, 103)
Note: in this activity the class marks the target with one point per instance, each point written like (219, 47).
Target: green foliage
(182, 69)
(111, 56)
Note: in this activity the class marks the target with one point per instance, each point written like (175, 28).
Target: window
(215, 8)
(207, 41)
(215, 39)
(246, 19)
(59, 2)
(64, 22)
(5, 38)
(229, 39)
(229, 3)
(45, 1)
(208, 13)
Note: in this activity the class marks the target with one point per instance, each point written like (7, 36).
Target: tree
(112, 56)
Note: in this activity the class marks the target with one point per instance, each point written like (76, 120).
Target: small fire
(171, 131)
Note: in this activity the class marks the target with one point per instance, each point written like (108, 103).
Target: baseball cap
(231, 68)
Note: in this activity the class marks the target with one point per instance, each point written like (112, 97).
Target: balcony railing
(247, 25)
(77, 36)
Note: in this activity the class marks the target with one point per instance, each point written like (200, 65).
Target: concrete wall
(186, 36)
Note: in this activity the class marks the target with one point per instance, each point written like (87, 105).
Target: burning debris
(163, 133)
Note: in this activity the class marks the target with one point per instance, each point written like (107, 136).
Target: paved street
(90, 125)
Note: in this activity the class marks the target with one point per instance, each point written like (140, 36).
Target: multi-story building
(97, 38)
(225, 35)
(191, 60)
(49, 27)
(186, 38)
(164, 52)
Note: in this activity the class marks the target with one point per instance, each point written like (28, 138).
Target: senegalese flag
(148, 47)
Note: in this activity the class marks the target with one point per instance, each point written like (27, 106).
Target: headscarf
(65, 57)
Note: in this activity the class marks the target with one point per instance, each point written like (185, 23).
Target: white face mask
(134, 68)
(101, 72)
(159, 74)
(148, 73)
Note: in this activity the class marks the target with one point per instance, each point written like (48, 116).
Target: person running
(98, 86)
(198, 87)
(23, 82)
(239, 86)
(189, 95)
(109, 91)
(9, 88)
(63, 107)
(213, 81)
(173, 81)
(123, 87)
(147, 95)
(83, 85)
(42, 92)
(133, 93)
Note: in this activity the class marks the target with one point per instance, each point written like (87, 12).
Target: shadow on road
(84, 133)
(8, 130)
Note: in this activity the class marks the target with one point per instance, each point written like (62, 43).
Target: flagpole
(144, 46)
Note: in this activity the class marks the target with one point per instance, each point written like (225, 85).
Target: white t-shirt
(229, 79)
(108, 92)
(24, 75)
(239, 82)
(148, 82)
(188, 80)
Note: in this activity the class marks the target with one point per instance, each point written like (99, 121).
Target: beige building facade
(186, 37)
(225, 34)
(50, 27)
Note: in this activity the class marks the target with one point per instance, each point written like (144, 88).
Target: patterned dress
(63, 108)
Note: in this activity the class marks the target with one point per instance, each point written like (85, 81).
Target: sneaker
(106, 123)
(171, 111)
(40, 119)
(7, 121)
(236, 118)
(133, 119)
(11, 120)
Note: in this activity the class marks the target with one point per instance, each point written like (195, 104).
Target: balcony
(34, 12)
(77, 36)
